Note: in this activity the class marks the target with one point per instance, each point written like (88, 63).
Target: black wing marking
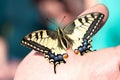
(47, 42)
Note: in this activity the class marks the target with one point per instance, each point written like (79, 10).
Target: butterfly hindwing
(82, 29)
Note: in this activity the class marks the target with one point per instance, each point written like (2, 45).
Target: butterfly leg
(56, 59)
(86, 45)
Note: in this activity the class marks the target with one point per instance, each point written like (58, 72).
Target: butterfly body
(77, 35)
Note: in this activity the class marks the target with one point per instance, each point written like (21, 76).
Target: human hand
(98, 65)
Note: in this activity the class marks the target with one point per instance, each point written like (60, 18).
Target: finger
(98, 8)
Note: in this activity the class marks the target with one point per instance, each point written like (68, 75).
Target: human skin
(7, 67)
(98, 65)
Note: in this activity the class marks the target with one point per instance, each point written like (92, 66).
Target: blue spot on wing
(84, 47)
(56, 58)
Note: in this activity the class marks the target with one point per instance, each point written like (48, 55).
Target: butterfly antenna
(51, 22)
(54, 68)
(62, 20)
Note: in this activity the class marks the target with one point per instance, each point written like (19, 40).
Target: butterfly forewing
(44, 41)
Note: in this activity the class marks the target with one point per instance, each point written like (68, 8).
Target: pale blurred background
(20, 17)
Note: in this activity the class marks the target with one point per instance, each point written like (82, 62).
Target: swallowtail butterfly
(77, 35)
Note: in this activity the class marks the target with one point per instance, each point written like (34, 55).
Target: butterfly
(77, 35)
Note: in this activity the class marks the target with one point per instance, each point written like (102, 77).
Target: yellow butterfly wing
(82, 29)
(47, 42)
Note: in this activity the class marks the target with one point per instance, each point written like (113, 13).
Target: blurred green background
(20, 17)
(109, 35)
